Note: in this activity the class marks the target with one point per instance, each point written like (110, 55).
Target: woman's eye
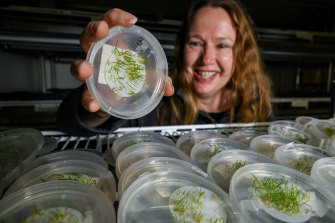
(222, 46)
(193, 43)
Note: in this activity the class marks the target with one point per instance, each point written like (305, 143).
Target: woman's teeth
(206, 75)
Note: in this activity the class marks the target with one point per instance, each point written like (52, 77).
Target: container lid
(291, 130)
(323, 128)
(222, 166)
(323, 171)
(299, 156)
(245, 136)
(204, 150)
(83, 171)
(304, 120)
(175, 197)
(144, 150)
(137, 137)
(27, 142)
(298, 197)
(155, 164)
(188, 140)
(10, 163)
(49, 145)
(45, 202)
(130, 72)
(267, 144)
(65, 155)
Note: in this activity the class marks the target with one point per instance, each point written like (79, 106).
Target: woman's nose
(208, 55)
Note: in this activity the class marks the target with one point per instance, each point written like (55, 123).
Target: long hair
(251, 97)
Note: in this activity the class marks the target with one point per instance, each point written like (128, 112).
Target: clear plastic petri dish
(297, 198)
(58, 201)
(83, 171)
(304, 120)
(155, 164)
(176, 197)
(49, 145)
(204, 150)
(245, 136)
(10, 164)
(323, 171)
(137, 137)
(65, 155)
(188, 140)
(130, 72)
(300, 157)
(144, 150)
(323, 128)
(267, 144)
(291, 130)
(323, 143)
(222, 166)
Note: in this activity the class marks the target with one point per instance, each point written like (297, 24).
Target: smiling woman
(217, 74)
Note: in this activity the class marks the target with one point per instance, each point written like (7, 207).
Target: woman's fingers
(89, 103)
(97, 30)
(81, 70)
(169, 89)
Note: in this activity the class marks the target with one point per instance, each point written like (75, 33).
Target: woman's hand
(93, 32)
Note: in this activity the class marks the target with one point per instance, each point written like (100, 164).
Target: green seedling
(73, 177)
(214, 149)
(231, 169)
(280, 195)
(330, 131)
(304, 164)
(295, 136)
(58, 215)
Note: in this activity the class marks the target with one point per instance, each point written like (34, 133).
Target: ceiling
(311, 15)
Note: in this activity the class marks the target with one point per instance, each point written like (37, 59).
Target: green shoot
(295, 136)
(271, 150)
(52, 216)
(305, 164)
(231, 169)
(330, 131)
(73, 177)
(280, 195)
(214, 149)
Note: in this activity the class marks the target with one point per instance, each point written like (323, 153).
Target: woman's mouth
(205, 75)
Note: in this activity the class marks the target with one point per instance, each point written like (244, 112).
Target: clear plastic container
(26, 132)
(245, 136)
(137, 137)
(222, 166)
(291, 130)
(155, 164)
(323, 171)
(175, 197)
(83, 171)
(65, 155)
(49, 145)
(188, 140)
(10, 164)
(323, 128)
(203, 151)
(323, 143)
(50, 201)
(304, 120)
(144, 150)
(130, 72)
(298, 197)
(267, 144)
(300, 157)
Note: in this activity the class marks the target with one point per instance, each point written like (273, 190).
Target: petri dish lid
(300, 157)
(78, 201)
(155, 164)
(323, 128)
(299, 199)
(65, 155)
(204, 150)
(83, 171)
(154, 198)
(130, 71)
(188, 140)
(10, 163)
(267, 144)
(245, 136)
(323, 171)
(222, 166)
(137, 137)
(26, 142)
(49, 145)
(144, 150)
(291, 130)
(304, 120)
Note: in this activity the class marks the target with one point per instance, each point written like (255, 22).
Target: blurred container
(245, 136)
(323, 171)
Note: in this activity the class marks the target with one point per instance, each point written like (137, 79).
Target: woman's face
(209, 51)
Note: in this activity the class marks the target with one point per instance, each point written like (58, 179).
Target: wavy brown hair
(251, 97)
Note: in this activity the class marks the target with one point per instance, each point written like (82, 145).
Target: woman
(217, 75)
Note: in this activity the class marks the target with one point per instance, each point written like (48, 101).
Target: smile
(205, 75)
